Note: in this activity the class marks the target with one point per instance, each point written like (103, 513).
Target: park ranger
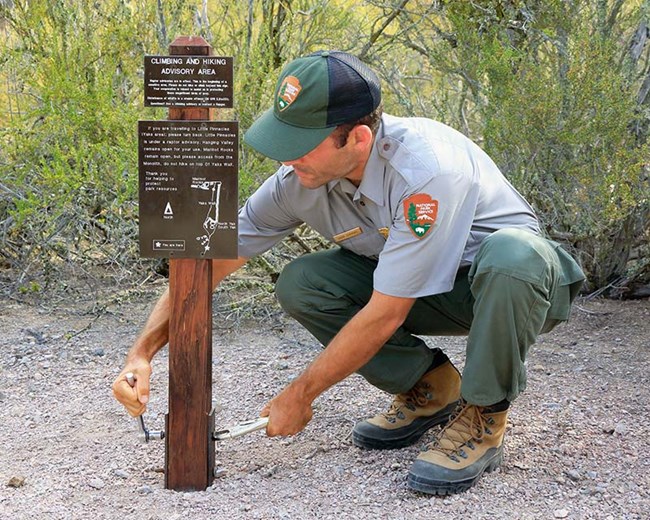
(432, 240)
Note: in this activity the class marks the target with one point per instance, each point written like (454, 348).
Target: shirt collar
(372, 183)
(285, 170)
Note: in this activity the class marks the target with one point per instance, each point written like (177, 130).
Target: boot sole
(412, 432)
(443, 488)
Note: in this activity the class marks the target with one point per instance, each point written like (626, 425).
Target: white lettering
(214, 61)
(177, 71)
(166, 61)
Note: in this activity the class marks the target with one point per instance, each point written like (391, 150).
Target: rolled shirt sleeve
(266, 218)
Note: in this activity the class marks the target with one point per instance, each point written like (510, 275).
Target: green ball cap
(314, 95)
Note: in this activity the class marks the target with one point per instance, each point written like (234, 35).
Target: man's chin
(309, 184)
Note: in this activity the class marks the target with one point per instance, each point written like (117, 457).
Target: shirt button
(386, 147)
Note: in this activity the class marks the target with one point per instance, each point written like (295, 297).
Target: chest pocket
(369, 243)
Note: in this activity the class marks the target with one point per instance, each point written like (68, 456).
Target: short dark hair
(372, 120)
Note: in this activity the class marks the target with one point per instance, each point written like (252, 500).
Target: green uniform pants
(519, 286)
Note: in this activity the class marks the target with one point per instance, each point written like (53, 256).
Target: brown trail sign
(173, 172)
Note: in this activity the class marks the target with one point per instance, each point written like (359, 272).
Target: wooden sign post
(189, 446)
(188, 213)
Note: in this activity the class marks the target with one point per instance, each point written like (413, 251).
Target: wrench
(148, 434)
(241, 429)
(228, 433)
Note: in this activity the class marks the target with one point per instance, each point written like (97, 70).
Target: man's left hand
(288, 413)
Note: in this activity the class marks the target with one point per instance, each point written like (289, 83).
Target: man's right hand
(133, 398)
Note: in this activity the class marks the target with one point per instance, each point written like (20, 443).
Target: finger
(127, 396)
(142, 389)
(271, 430)
(140, 382)
(135, 410)
(131, 403)
(122, 390)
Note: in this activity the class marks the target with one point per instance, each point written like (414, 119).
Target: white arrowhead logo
(168, 209)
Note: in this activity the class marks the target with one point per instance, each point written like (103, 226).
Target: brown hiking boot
(470, 444)
(428, 403)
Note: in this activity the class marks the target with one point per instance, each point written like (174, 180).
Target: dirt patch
(574, 447)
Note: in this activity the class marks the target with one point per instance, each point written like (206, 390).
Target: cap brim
(281, 141)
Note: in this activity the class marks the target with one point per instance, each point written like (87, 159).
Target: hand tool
(148, 434)
(241, 429)
(227, 433)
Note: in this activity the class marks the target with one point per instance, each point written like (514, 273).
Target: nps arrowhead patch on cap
(288, 92)
(421, 212)
(313, 95)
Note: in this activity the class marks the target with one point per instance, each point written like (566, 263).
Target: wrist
(303, 390)
(138, 354)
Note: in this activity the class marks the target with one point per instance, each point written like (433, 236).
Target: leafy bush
(554, 91)
(68, 176)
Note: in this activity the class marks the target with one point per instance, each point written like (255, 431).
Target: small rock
(145, 490)
(271, 471)
(121, 473)
(16, 482)
(573, 475)
(560, 513)
(98, 351)
(620, 429)
(96, 483)
(312, 454)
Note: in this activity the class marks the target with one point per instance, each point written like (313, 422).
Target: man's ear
(361, 136)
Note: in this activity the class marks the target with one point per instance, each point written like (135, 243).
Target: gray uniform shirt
(428, 198)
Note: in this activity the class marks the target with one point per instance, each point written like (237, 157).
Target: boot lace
(417, 396)
(466, 427)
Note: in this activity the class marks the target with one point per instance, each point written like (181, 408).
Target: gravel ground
(574, 447)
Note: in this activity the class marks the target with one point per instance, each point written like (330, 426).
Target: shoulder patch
(420, 212)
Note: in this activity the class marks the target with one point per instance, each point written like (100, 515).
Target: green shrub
(552, 90)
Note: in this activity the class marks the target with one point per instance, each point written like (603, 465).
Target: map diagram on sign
(211, 220)
(188, 189)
